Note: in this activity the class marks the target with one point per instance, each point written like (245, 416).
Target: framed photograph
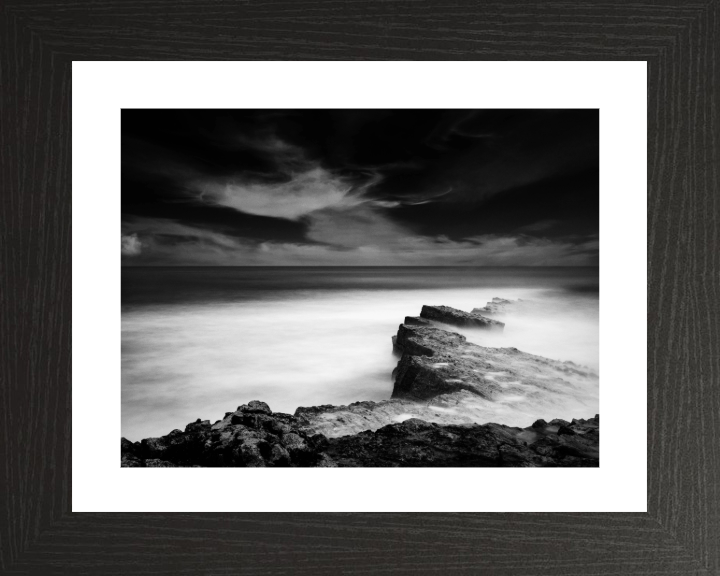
(266, 254)
(390, 290)
(364, 316)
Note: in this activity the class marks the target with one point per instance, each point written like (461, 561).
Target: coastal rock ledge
(455, 317)
(444, 386)
(254, 436)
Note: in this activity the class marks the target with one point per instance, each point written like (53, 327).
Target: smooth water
(198, 342)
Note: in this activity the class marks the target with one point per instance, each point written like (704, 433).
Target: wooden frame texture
(680, 534)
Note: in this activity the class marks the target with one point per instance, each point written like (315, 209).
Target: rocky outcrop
(495, 306)
(418, 443)
(444, 387)
(502, 306)
(455, 317)
(254, 436)
(426, 340)
(438, 362)
(442, 378)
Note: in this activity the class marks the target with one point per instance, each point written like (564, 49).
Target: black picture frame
(680, 533)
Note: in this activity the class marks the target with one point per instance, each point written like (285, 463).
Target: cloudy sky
(360, 187)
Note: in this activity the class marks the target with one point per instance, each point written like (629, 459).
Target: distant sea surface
(198, 342)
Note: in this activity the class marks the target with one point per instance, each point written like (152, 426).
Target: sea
(199, 341)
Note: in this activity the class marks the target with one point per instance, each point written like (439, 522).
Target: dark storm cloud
(360, 187)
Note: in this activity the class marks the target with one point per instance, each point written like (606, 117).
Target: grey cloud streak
(165, 241)
(282, 188)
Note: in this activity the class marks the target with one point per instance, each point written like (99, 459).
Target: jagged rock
(559, 422)
(419, 443)
(439, 362)
(152, 447)
(455, 317)
(416, 321)
(426, 341)
(421, 379)
(128, 454)
(313, 410)
(413, 442)
(255, 406)
(197, 426)
(252, 436)
(444, 379)
(279, 456)
(496, 306)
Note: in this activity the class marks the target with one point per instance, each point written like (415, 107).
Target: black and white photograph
(360, 288)
(365, 237)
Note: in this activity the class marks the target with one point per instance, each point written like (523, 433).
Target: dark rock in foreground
(455, 317)
(418, 443)
(253, 436)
